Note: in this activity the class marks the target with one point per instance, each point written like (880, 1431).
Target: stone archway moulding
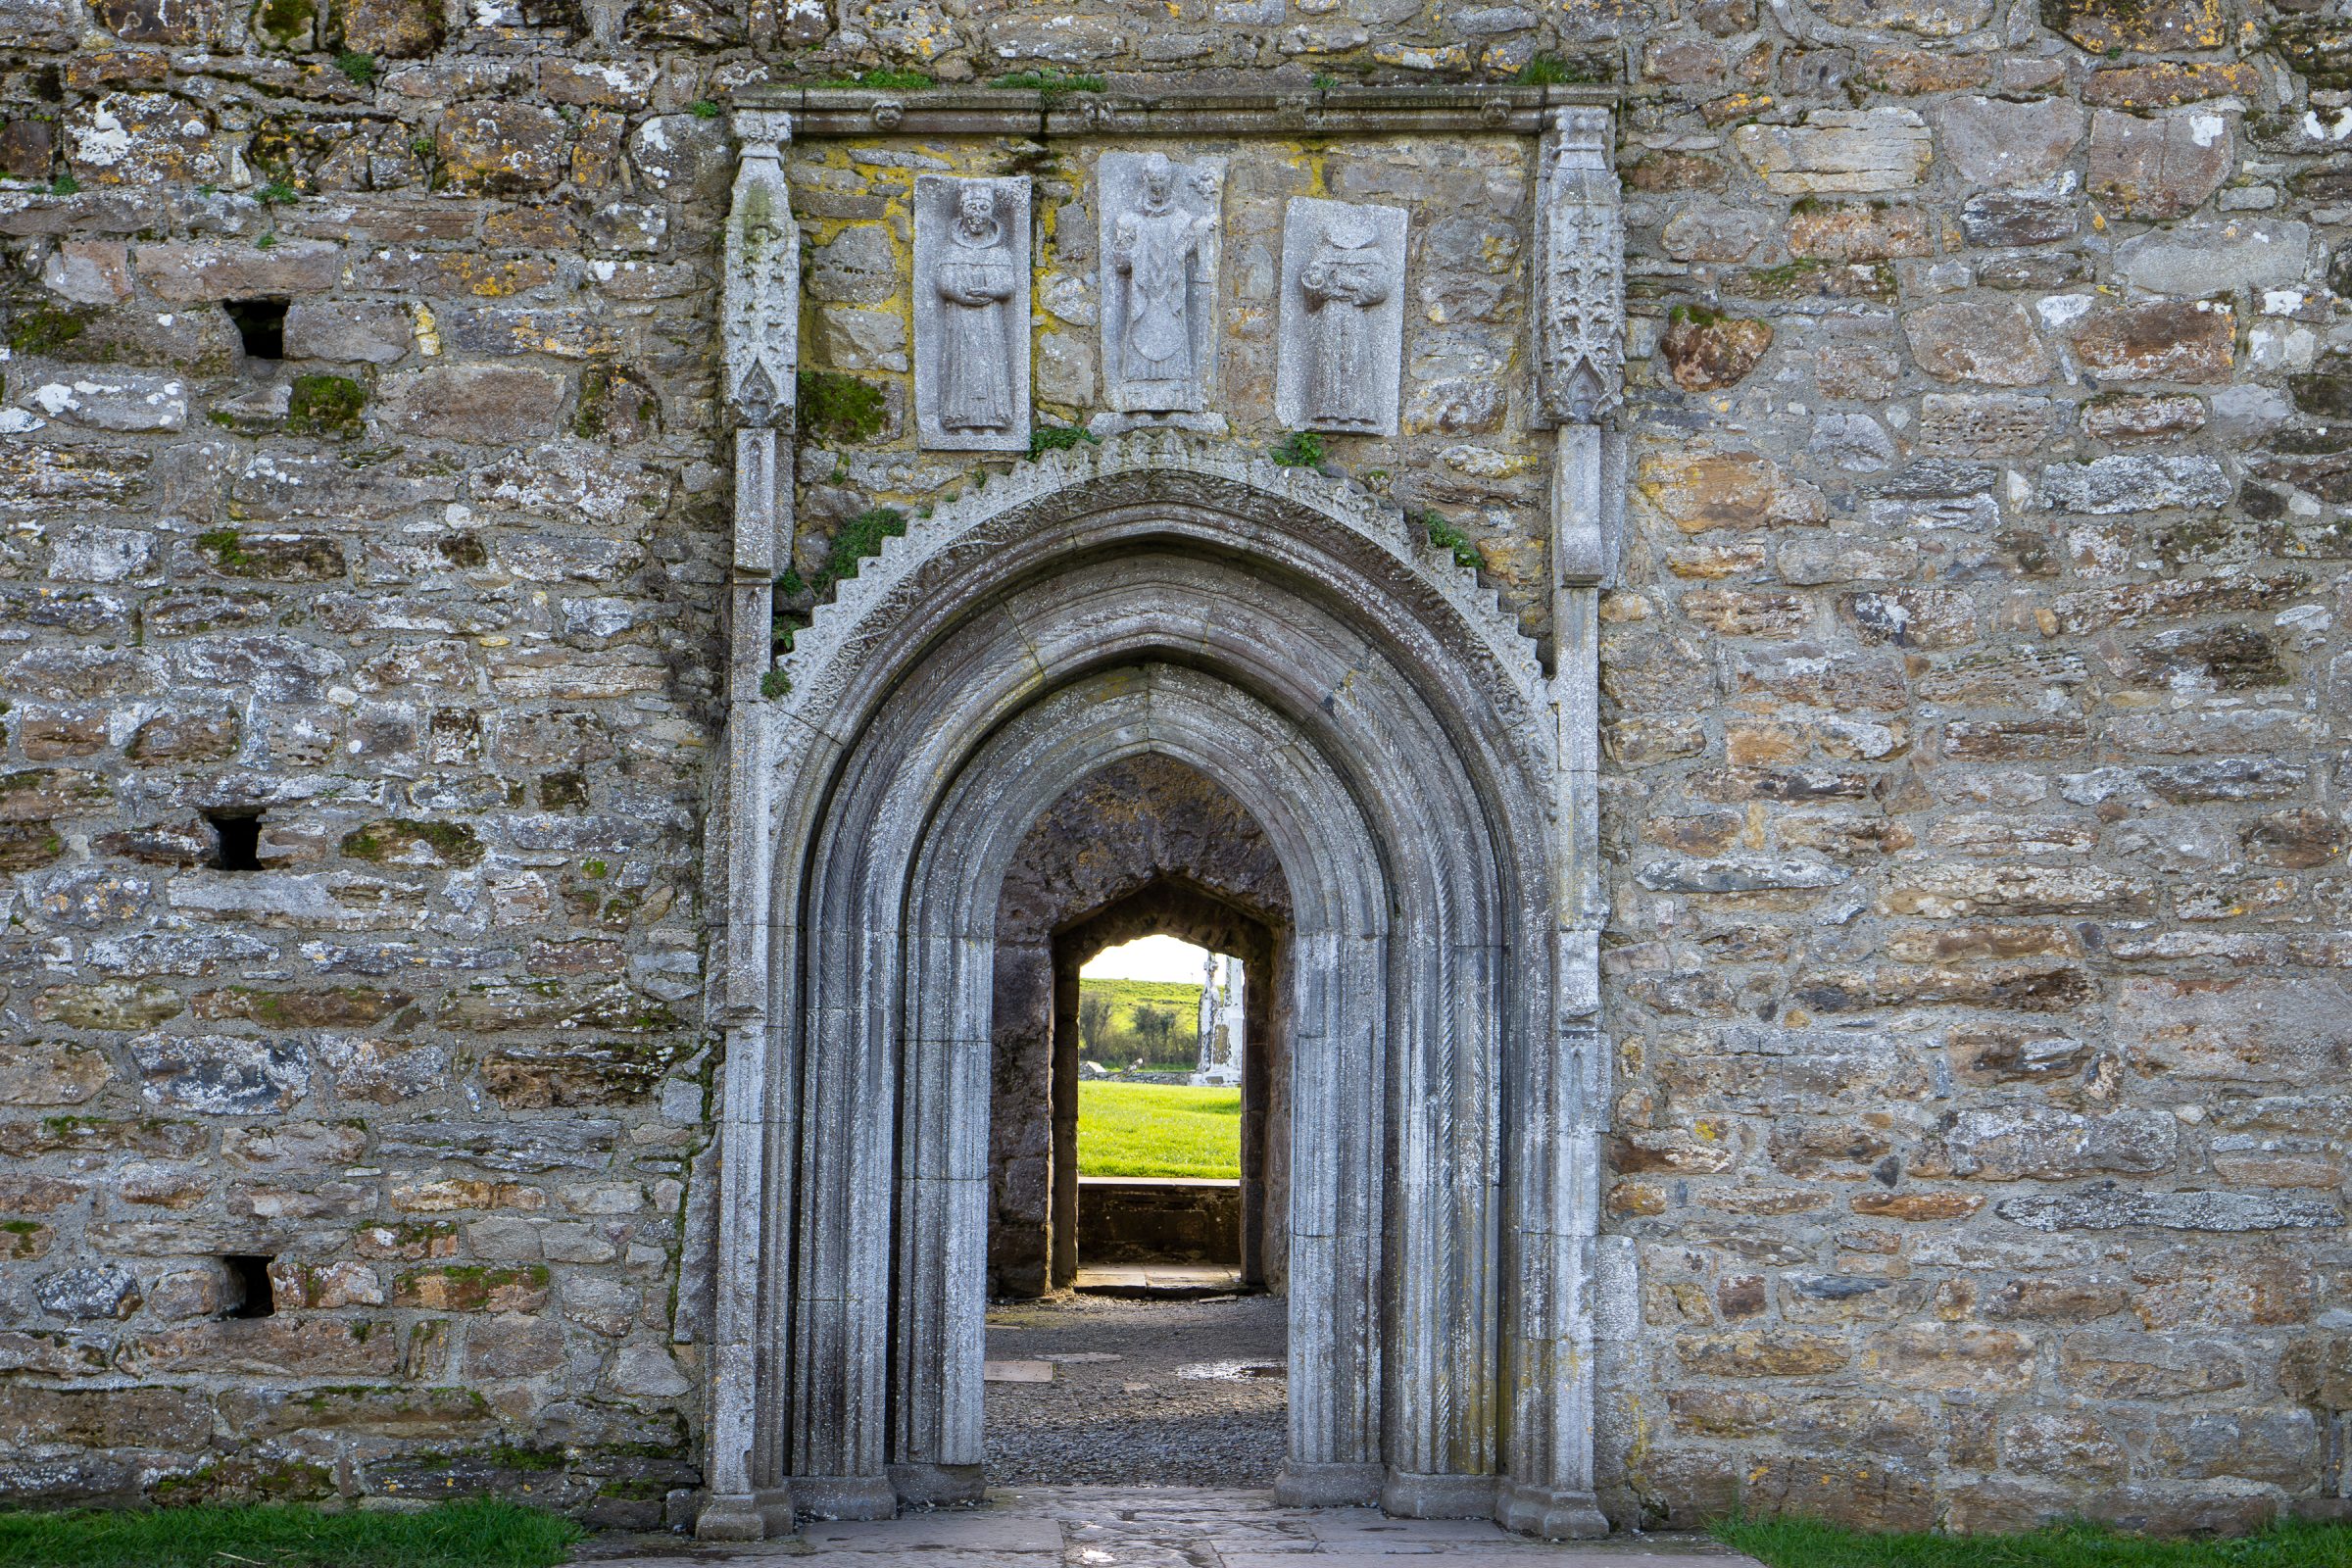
(1429, 789)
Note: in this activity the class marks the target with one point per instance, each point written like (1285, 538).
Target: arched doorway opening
(1372, 711)
(1172, 908)
(1147, 846)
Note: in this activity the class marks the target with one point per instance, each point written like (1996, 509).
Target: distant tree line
(1127, 1023)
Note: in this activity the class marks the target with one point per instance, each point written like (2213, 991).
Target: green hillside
(1111, 1031)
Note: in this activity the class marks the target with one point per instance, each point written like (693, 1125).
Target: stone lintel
(1025, 111)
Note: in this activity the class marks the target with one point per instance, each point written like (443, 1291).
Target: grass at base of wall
(1806, 1544)
(479, 1532)
(1158, 1130)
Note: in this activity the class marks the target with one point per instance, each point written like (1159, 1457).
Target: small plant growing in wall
(358, 66)
(834, 406)
(860, 538)
(1051, 85)
(1445, 536)
(325, 404)
(1300, 449)
(883, 81)
(1550, 71)
(1047, 438)
(43, 328)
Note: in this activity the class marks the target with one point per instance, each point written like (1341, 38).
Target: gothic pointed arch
(1385, 722)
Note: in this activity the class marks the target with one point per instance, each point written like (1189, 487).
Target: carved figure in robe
(1153, 248)
(1347, 277)
(975, 279)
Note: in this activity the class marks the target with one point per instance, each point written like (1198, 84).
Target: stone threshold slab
(1165, 1526)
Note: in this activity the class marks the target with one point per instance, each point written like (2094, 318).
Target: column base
(930, 1486)
(1531, 1510)
(1328, 1485)
(846, 1497)
(762, 1515)
(1409, 1494)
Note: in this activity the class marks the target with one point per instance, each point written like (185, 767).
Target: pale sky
(1155, 957)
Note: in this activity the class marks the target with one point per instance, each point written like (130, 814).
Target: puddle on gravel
(1234, 1371)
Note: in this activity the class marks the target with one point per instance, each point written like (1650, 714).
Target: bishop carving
(1160, 272)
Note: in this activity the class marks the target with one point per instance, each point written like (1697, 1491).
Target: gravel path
(1143, 1392)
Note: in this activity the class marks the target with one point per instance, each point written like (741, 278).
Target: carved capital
(1583, 131)
(761, 132)
(761, 320)
(1579, 325)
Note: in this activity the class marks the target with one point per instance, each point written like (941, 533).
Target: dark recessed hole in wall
(250, 1277)
(239, 836)
(261, 323)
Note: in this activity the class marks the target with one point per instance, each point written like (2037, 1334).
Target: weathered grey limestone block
(1159, 280)
(972, 313)
(1341, 318)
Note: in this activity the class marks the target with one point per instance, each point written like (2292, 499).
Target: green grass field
(1803, 1544)
(1158, 1130)
(479, 1532)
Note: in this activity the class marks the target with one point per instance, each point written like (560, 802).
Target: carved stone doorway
(1156, 603)
(1147, 846)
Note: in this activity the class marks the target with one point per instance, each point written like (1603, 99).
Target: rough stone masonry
(1974, 713)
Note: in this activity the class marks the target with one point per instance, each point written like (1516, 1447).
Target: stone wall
(1975, 707)
(1160, 1220)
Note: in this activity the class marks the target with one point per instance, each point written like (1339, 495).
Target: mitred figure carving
(1153, 248)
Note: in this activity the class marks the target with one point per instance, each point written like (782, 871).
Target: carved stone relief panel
(972, 313)
(1159, 280)
(1580, 243)
(1343, 317)
(761, 322)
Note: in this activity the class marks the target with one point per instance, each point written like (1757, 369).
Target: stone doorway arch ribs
(1429, 789)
